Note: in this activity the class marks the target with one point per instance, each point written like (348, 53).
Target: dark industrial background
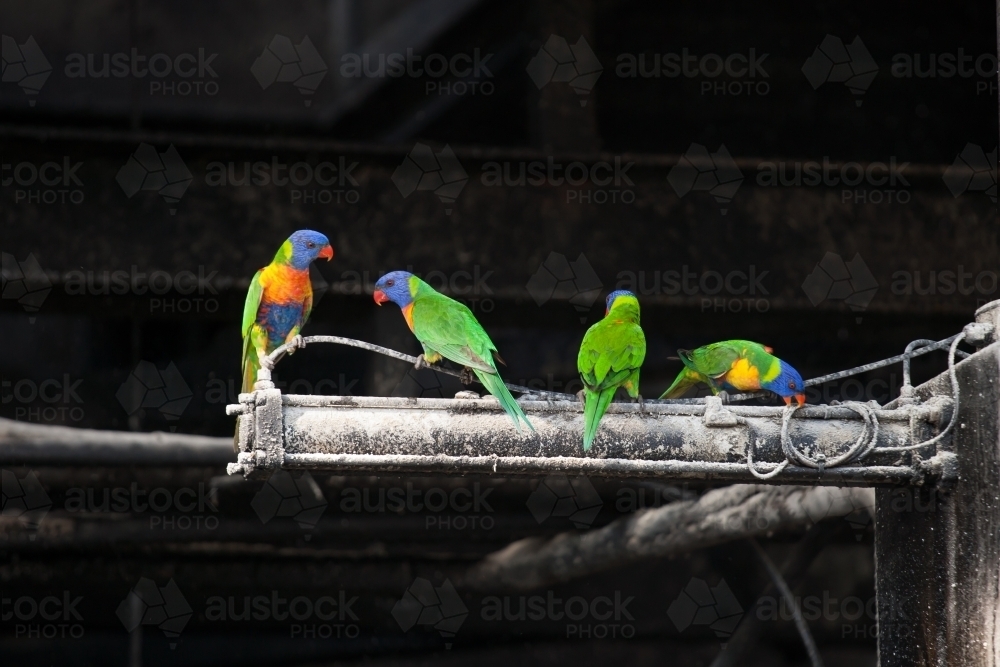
(131, 226)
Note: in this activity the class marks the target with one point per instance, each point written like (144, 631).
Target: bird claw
(642, 403)
(420, 363)
(582, 395)
(265, 361)
(466, 376)
(295, 343)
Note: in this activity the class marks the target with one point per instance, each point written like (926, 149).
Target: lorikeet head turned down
(394, 287)
(614, 296)
(306, 246)
(788, 384)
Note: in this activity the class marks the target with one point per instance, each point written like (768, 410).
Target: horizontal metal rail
(845, 444)
(475, 436)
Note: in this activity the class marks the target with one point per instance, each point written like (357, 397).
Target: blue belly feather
(278, 320)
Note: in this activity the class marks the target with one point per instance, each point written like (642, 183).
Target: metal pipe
(464, 436)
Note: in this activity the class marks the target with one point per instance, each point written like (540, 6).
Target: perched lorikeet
(447, 328)
(610, 356)
(737, 364)
(280, 299)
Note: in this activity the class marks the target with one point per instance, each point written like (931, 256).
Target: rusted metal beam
(467, 435)
(938, 551)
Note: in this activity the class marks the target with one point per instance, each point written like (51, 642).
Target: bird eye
(791, 385)
(390, 283)
(311, 244)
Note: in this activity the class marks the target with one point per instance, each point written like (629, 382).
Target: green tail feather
(494, 384)
(250, 366)
(684, 380)
(594, 407)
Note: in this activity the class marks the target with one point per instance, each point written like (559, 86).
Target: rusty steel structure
(940, 570)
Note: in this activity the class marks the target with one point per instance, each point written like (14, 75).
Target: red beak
(327, 252)
(380, 297)
(801, 398)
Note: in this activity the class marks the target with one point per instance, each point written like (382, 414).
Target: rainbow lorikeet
(737, 364)
(447, 328)
(610, 356)
(280, 299)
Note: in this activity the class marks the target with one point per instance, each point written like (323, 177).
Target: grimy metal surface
(467, 435)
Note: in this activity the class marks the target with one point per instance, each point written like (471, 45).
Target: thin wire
(763, 475)
(786, 592)
(860, 449)
(920, 342)
(282, 350)
(863, 446)
(953, 377)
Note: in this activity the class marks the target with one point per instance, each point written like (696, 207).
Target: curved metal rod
(920, 342)
(338, 340)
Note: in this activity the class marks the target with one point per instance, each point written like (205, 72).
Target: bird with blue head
(740, 365)
(610, 357)
(280, 300)
(447, 329)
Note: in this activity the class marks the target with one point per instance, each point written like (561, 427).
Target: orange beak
(327, 252)
(801, 398)
(380, 297)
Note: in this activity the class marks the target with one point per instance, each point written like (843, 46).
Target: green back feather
(710, 362)
(449, 328)
(610, 357)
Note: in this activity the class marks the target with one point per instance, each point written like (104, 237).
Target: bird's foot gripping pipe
(295, 343)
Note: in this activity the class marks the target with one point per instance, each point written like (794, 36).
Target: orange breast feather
(285, 285)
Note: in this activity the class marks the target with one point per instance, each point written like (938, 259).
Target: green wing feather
(449, 328)
(250, 363)
(686, 379)
(711, 362)
(610, 357)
